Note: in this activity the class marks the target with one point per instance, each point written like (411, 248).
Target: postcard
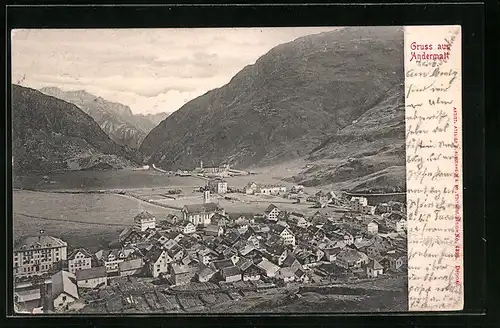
(237, 170)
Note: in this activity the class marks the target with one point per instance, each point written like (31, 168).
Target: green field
(87, 220)
(93, 220)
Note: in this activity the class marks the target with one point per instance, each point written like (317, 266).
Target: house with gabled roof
(307, 259)
(231, 274)
(231, 237)
(374, 269)
(285, 233)
(176, 253)
(220, 264)
(291, 262)
(182, 274)
(206, 256)
(172, 219)
(268, 267)
(272, 212)
(79, 259)
(213, 230)
(251, 272)
(92, 277)
(186, 227)
(110, 258)
(205, 273)
(131, 267)
(286, 274)
(157, 261)
(64, 289)
(130, 235)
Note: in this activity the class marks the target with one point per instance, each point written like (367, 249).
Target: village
(207, 255)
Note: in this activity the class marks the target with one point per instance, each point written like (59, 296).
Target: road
(74, 221)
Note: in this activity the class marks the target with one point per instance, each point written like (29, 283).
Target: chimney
(201, 164)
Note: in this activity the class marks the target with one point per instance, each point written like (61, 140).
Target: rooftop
(143, 216)
(64, 282)
(34, 242)
(231, 271)
(131, 265)
(180, 269)
(77, 251)
(373, 264)
(91, 273)
(270, 208)
(201, 208)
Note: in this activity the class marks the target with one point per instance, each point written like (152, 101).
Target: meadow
(82, 220)
(93, 220)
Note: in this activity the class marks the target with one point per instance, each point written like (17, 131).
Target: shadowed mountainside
(50, 135)
(336, 94)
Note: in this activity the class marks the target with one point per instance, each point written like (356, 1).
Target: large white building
(201, 214)
(144, 221)
(259, 189)
(36, 255)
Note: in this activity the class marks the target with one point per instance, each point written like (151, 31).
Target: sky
(150, 70)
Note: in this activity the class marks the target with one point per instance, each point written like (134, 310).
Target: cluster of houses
(206, 244)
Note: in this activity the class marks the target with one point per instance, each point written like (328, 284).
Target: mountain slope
(371, 151)
(286, 104)
(50, 135)
(116, 119)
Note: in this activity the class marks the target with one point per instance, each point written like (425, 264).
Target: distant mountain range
(335, 100)
(51, 135)
(116, 119)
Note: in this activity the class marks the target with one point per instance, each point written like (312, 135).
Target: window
(64, 298)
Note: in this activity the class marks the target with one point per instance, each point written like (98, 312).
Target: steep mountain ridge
(50, 135)
(116, 119)
(299, 100)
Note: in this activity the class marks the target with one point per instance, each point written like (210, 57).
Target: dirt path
(74, 221)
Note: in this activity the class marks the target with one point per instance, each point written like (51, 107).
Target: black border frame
(469, 15)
